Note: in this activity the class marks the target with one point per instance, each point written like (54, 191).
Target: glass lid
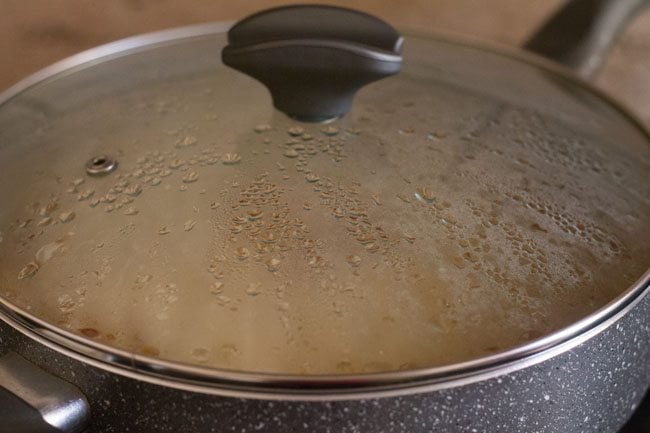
(155, 201)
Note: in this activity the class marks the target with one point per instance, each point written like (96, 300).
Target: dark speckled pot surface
(594, 387)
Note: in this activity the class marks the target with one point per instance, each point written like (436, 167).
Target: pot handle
(580, 34)
(34, 401)
(313, 58)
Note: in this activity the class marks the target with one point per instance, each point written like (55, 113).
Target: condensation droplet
(296, 131)
(253, 289)
(230, 158)
(354, 260)
(273, 264)
(200, 354)
(29, 270)
(65, 217)
(133, 190)
(190, 177)
(45, 221)
(262, 127)
(330, 130)
(189, 225)
(242, 253)
(425, 194)
(254, 214)
(216, 287)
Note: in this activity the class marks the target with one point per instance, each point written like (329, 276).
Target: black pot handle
(34, 401)
(312, 58)
(582, 32)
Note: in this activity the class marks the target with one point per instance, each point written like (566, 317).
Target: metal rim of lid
(324, 387)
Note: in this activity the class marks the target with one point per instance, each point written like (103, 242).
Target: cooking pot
(544, 329)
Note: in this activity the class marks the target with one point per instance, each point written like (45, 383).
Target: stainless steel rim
(314, 387)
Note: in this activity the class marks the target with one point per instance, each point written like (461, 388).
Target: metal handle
(313, 59)
(582, 32)
(34, 401)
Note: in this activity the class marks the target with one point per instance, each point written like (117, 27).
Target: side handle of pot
(580, 34)
(34, 401)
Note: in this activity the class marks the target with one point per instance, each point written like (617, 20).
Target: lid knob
(312, 58)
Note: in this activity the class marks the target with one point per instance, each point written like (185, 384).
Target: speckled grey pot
(593, 387)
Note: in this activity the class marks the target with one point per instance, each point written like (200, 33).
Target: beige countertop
(35, 33)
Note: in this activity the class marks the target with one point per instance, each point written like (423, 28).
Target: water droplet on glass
(354, 260)
(45, 221)
(329, 130)
(65, 217)
(216, 287)
(189, 225)
(190, 177)
(133, 190)
(296, 131)
(187, 141)
(29, 270)
(273, 264)
(200, 354)
(85, 195)
(242, 253)
(46, 252)
(230, 158)
(262, 127)
(254, 214)
(425, 194)
(253, 289)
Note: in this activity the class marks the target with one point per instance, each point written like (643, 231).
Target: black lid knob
(313, 59)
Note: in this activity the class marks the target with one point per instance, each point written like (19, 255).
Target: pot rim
(272, 386)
